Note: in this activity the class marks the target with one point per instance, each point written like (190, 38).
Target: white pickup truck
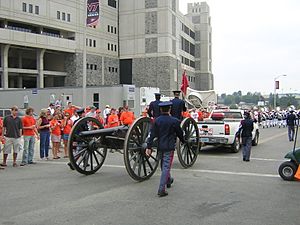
(220, 129)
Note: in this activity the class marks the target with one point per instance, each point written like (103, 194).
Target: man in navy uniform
(166, 128)
(178, 106)
(153, 110)
(291, 122)
(245, 131)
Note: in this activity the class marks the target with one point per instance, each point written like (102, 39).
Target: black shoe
(244, 159)
(70, 165)
(247, 160)
(170, 182)
(162, 193)
(32, 163)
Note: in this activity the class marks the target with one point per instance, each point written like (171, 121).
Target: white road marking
(190, 170)
(232, 173)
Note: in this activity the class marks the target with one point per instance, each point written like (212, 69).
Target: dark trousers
(44, 144)
(291, 132)
(166, 163)
(247, 143)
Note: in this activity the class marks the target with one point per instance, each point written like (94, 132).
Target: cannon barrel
(103, 132)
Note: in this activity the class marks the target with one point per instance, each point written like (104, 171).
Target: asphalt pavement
(219, 189)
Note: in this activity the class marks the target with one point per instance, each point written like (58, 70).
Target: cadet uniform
(166, 128)
(178, 106)
(246, 128)
(291, 122)
(153, 110)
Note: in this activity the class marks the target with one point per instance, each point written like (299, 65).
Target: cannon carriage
(89, 143)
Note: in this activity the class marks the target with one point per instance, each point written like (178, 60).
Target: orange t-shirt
(28, 121)
(71, 111)
(67, 129)
(200, 116)
(113, 120)
(127, 118)
(55, 127)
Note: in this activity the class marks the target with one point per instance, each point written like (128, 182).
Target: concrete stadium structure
(146, 43)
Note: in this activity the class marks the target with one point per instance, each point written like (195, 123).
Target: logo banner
(92, 9)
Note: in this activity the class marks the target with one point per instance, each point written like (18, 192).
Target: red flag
(184, 83)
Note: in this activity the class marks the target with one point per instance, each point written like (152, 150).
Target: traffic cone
(297, 174)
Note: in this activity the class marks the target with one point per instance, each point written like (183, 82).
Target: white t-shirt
(106, 111)
(194, 115)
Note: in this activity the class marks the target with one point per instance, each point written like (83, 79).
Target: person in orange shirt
(113, 119)
(127, 117)
(186, 114)
(67, 124)
(200, 115)
(98, 116)
(55, 128)
(71, 109)
(29, 134)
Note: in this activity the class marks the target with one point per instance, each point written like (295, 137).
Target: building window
(116, 70)
(68, 17)
(109, 69)
(115, 48)
(24, 7)
(111, 47)
(113, 69)
(95, 67)
(90, 42)
(92, 66)
(108, 28)
(111, 29)
(115, 30)
(94, 43)
(112, 3)
(37, 10)
(30, 8)
(108, 46)
(63, 16)
(58, 15)
(87, 66)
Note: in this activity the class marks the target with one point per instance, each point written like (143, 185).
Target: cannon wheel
(85, 152)
(139, 166)
(188, 152)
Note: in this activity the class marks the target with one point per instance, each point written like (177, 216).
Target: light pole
(275, 87)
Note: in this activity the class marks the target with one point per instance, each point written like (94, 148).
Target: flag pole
(84, 57)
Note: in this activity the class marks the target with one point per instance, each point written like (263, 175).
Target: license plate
(204, 139)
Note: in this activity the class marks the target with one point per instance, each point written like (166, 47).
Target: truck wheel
(287, 170)
(255, 140)
(235, 147)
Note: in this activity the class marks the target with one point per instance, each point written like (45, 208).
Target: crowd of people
(51, 128)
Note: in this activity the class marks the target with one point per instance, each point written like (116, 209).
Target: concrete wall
(44, 96)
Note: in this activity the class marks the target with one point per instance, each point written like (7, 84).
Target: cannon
(89, 143)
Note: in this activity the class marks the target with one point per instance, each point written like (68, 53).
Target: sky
(253, 42)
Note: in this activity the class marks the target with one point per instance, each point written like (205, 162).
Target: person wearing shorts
(12, 132)
(55, 128)
(67, 126)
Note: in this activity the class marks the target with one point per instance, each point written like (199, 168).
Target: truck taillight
(227, 129)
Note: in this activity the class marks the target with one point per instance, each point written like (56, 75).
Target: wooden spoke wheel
(85, 151)
(188, 152)
(138, 165)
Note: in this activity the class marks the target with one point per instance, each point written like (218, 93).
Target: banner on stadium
(92, 13)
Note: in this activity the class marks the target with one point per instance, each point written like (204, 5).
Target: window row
(63, 16)
(196, 10)
(112, 3)
(187, 46)
(30, 8)
(91, 66)
(111, 47)
(192, 79)
(187, 62)
(188, 31)
(90, 43)
(113, 69)
(111, 29)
